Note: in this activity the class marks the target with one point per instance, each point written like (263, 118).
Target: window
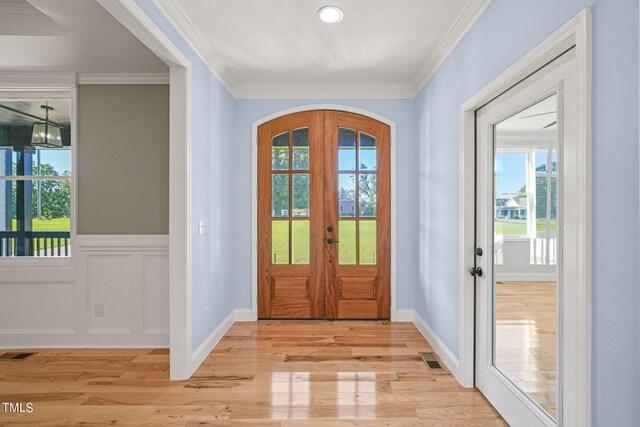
(543, 246)
(35, 178)
(526, 200)
(512, 196)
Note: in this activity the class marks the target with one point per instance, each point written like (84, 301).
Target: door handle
(475, 271)
(478, 251)
(331, 241)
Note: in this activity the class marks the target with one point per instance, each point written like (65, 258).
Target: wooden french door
(324, 217)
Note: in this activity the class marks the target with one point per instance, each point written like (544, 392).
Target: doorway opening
(324, 217)
(525, 243)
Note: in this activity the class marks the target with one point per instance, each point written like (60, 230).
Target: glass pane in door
(524, 262)
(300, 195)
(280, 242)
(279, 196)
(367, 153)
(368, 190)
(301, 149)
(300, 241)
(347, 248)
(368, 242)
(280, 152)
(346, 195)
(346, 149)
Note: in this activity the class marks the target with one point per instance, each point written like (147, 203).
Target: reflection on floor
(260, 374)
(526, 338)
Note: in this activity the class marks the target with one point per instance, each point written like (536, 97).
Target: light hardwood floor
(526, 338)
(260, 374)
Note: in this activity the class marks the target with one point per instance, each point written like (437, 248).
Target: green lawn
(300, 242)
(56, 224)
(519, 227)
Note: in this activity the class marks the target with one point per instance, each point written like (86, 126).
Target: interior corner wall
(506, 31)
(123, 159)
(213, 197)
(401, 111)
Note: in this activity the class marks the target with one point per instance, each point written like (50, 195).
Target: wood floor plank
(279, 374)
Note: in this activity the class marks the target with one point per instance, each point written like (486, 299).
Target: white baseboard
(201, 353)
(526, 277)
(70, 339)
(438, 346)
(244, 315)
(404, 315)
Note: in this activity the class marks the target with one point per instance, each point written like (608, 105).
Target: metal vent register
(431, 361)
(15, 356)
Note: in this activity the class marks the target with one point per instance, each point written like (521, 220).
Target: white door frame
(576, 32)
(254, 192)
(129, 14)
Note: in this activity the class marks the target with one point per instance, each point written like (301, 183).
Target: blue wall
(506, 31)
(214, 196)
(428, 138)
(402, 113)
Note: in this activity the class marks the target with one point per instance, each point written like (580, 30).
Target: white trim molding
(576, 404)
(129, 14)
(441, 349)
(526, 277)
(179, 19)
(254, 193)
(462, 24)
(134, 242)
(36, 80)
(181, 22)
(201, 353)
(324, 91)
(404, 315)
(123, 79)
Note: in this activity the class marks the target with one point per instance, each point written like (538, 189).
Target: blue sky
(59, 159)
(347, 159)
(511, 169)
(511, 173)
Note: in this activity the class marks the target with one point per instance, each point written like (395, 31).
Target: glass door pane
(525, 238)
(357, 197)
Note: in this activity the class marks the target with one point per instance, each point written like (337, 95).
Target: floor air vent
(431, 361)
(15, 356)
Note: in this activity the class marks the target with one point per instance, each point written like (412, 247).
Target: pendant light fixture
(46, 134)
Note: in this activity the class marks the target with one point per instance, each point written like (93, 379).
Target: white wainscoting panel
(109, 284)
(37, 306)
(155, 293)
(54, 305)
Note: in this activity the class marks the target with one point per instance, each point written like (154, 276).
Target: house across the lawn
(347, 207)
(512, 208)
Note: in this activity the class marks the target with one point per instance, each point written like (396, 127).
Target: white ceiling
(69, 35)
(538, 117)
(279, 48)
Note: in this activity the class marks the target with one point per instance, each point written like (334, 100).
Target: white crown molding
(123, 79)
(324, 91)
(19, 9)
(463, 23)
(43, 80)
(181, 22)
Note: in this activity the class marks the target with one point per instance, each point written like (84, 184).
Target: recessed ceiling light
(330, 14)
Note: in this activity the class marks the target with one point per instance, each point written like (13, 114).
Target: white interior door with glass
(526, 232)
